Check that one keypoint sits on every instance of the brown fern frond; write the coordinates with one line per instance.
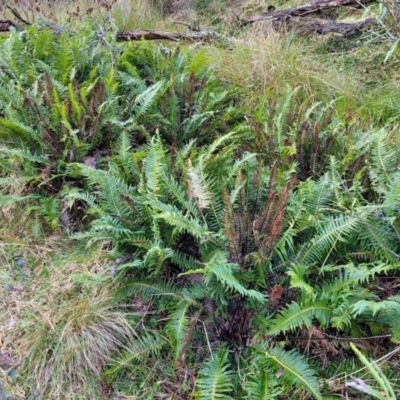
(262, 220)
(274, 231)
(322, 346)
(272, 176)
(48, 89)
(232, 238)
(269, 224)
(316, 340)
(276, 294)
(189, 331)
(315, 149)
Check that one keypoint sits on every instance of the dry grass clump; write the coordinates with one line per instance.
(54, 11)
(138, 14)
(59, 324)
(264, 60)
(126, 14)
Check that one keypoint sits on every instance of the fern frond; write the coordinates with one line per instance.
(295, 316)
(220, 269)
(178, 192)
(378, 237)
(148, 290)
(260, 382)
(154, 168)
(384, 154)
(337, 229)
(136, 351)
(185, 224)
(389, 306)
(197, 187)
(177, 328)
(215, 380)
(13, 199)
(145, 99)
(297, 371)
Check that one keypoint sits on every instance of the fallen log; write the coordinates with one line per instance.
(345, 29)
(322, 27)
(203, 35)
(6, 25)
(304, 9)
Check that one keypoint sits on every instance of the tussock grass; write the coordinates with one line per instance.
(140, 14)
(264, 60)
(59, 320)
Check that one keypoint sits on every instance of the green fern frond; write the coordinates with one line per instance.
(384, 154)
(342, 316)
(154, 168)
(374, 307)
(185, 224)
(11, 130)
(296, 370)
(148, 290)
(215, 380)
(177, 328)
(379, 237)
(13, 199)
(136, 351)
(295, 316)
(260, 382)
(145, 99)
(177, 191)
(219, 269)
(337, 229)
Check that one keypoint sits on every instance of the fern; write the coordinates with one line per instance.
(294, 316)
(177, 328)
(215, 380)
(136, 351)
(260, 382)
(296, 370)
(198, 190)
(337, 229)
(148, 290)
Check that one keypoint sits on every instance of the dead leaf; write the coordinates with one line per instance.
(276, 293)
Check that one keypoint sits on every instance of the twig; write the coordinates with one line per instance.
(165, 387)
(191, 27)
(18, 15)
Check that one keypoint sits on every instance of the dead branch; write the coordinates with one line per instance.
(322, 27)
(203, 35)
(305, 9)
(5, 26)
(18, 15)
(345, 29)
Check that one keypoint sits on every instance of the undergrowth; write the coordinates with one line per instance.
(211, 222)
